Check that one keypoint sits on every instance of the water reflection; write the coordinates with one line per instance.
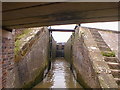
(59, 76)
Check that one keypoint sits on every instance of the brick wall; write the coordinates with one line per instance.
(0, 59)
(7, 57)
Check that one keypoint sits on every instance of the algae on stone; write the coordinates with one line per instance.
(18, 40)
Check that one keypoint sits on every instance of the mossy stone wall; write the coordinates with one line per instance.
(30, 69)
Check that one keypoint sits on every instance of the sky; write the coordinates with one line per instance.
(64, 36)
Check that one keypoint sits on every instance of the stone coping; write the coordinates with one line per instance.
(113, 31)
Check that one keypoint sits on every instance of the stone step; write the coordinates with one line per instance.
(101, 43)
(110, 59)
(99, 40)
(97, 36)
(115, 73)
(104, 48)
(94, 32)
(113, 65)
(117, 80)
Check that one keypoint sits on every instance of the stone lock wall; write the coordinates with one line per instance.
(89, 67)
(31, 68)
(68, 50)
(53, 49)
(82, 63)
(77, 53)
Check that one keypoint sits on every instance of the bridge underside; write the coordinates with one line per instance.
(24, 15)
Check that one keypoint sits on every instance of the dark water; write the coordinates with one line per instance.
(59, 76)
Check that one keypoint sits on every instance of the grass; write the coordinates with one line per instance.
(108, 54)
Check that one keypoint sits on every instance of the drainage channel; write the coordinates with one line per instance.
(60, 76)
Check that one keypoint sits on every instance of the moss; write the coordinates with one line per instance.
(20, 36)
(18, 41)
(27, 31)
(108, 54)
(17, 47)
(24, 32)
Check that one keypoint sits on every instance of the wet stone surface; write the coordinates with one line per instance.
(59, 76)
